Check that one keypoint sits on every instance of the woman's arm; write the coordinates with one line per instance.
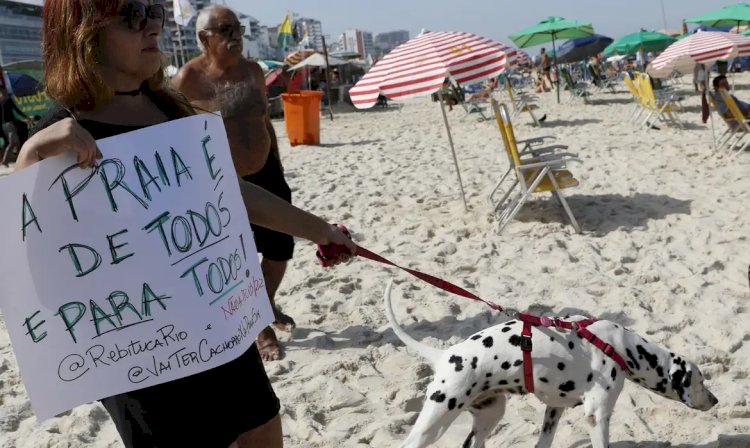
(64, 135)
(267, 210)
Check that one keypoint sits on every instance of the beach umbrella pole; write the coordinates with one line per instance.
(182, 48)
(328, 79)
(643, 59)
(557, 70)
(713, 132)
(453, 149)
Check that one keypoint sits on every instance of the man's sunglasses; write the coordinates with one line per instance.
(136, 15)
(228, 30)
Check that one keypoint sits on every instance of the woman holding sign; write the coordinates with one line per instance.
(104, 69)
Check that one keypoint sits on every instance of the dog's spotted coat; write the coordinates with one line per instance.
(479, 373)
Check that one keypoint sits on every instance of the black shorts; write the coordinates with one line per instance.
(208, 409)
(273, 245)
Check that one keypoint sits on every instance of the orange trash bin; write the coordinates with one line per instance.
(302, 117)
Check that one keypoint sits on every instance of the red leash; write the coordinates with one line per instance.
(327, 254)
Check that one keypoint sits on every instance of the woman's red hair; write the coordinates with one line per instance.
(71, 32)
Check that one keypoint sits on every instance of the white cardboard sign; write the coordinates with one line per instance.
(140, 271)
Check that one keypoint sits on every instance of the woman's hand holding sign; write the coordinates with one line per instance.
(63, 136)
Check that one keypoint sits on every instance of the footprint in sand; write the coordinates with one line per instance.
(312, 281)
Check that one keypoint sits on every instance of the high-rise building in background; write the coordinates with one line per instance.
(356, 42)
(175, 42)
(385, 42)
(21, 24)
(273, 41)
(256, 42)
(20, 30)
(314, 30)
(368, 47)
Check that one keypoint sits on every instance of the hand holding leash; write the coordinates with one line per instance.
(337, 252)
(340, 248)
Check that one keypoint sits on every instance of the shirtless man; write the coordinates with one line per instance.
(546, 66)
(222, 79)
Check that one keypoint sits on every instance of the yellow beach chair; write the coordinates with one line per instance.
(661, 107)
(739, 126)
(638, 107)
(532, 175)
(725, 136)
(521, 102)
(532, 150)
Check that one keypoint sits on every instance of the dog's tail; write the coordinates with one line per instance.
(430, 353)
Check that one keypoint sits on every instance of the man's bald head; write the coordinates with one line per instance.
(208, 18)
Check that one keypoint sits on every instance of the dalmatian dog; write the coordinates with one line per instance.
(478, 374)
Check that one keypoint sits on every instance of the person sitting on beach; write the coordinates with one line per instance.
(448, 93)
(542, 82)
(114, 83)
(488, 86)
(221, 78)
(721, 82)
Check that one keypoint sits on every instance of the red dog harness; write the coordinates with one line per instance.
(579, 327)
(328, 254)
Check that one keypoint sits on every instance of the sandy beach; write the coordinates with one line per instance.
(664, 251)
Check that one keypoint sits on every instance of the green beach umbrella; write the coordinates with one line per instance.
(642, 41)
(550, 30)
(731, 15)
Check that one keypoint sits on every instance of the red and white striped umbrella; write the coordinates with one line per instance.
(523, 58)
(703, 47)
(419, 66)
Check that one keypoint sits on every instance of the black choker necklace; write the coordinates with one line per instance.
(135, 92)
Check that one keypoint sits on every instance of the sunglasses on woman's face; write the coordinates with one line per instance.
(136, 15)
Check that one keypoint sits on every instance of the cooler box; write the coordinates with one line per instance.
(302, 117)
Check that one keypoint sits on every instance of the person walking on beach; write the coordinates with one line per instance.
(546, 67)
(115, 84)
(700, 77)
(221, 78)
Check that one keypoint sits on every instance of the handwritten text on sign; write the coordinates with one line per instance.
(138, 272)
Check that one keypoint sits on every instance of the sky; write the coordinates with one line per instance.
(493, 19)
